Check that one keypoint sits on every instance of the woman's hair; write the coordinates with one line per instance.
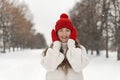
(65, 65)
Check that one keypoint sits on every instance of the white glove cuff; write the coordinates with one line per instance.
(71, 43)
(56, 45)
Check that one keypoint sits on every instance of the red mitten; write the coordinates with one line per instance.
(54, 36)
(73, 34)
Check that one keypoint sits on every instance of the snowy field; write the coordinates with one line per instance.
(25, 65)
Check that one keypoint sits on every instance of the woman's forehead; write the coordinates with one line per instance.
(64, 29)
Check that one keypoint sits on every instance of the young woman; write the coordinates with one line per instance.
(65, 58)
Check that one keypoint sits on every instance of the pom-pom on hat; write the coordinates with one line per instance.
(63, 22)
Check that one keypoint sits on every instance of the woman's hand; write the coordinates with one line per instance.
(56, 42)
(54, 36)
(73, 34)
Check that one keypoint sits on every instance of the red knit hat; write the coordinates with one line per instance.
(63, 22)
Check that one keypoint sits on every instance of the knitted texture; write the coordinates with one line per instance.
(54, 35)
(63, 22)
(73, 34)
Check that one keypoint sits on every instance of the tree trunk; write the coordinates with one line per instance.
(4, 47)
(91, 51)
(97, 52)
(118, 53)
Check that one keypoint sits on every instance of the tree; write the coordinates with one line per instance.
(116, 22)
(4, 22)
(37, 41)
(85, 17)
(98, 24)
(16, 26)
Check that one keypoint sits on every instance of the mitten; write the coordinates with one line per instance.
(73, 34)
(54, 36)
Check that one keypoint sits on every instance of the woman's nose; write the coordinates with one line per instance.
(64, 32)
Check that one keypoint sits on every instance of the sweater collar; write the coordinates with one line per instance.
(64, 45)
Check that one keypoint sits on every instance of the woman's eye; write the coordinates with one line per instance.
(60, 30)
(68, 30)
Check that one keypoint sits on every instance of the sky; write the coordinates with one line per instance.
(25, 65)
(47, 12)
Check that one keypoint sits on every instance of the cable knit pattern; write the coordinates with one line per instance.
(54, 57)
(57, 46)
(76, 56)
(71, 43)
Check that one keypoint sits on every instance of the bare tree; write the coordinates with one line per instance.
(85, 16)
(116, 22)
(4, 22)
(16, 26)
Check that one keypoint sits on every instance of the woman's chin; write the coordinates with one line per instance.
(64, 41)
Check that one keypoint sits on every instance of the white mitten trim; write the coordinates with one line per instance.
(77, 58)
(56, 45)
(71, 43)
(52, 60)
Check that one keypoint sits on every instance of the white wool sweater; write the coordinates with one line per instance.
(76, 57)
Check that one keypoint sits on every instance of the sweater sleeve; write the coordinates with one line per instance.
(76, 56)
(52, 59)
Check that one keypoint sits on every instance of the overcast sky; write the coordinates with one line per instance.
(46, 13)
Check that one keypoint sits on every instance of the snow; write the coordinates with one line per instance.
(102, 68)
(22, 65)
(25, 65)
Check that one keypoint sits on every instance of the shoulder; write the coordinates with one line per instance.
(83, 47)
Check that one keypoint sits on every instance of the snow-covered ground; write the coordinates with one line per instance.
(25, 65)
(102, 68)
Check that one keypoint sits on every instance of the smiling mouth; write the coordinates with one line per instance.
(64, 37)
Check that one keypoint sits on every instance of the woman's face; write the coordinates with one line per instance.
(64, 34)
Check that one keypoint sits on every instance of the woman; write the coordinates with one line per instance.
(64, 59)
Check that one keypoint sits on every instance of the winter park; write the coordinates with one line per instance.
(26, 31)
